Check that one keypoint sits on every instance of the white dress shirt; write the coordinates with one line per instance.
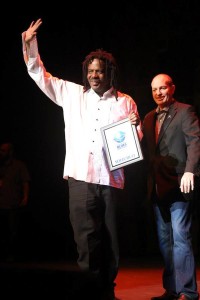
(84, 114)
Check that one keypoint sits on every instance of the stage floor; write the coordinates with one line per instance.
(138, 279)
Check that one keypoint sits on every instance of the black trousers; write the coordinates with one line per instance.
(93, 216)
(10, 221)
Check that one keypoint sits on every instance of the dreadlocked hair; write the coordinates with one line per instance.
(111, 68)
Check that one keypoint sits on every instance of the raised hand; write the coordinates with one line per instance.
(32, 30)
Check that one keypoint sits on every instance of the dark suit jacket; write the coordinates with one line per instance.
(177, 150)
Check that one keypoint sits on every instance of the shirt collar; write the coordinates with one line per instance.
(108, 94)
(165, 109)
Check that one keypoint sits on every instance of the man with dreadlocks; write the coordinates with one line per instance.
(92, 186)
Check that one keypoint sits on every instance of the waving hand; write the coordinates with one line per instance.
(32, 30)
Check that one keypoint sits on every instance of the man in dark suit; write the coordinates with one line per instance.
(171, 146)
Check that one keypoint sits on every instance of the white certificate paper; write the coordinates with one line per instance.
(121, 143)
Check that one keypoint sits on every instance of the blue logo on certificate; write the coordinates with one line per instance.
(119, 137)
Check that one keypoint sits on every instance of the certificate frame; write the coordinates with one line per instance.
(121, 144)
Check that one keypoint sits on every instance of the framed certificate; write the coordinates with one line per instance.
(121, 143)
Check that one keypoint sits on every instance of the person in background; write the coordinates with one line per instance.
(93, 188)
(171, 146)
(14, 195)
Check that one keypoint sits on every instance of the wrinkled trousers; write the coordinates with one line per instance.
(174, 223)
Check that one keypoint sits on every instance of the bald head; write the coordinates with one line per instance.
(163, 90)
(162, 78)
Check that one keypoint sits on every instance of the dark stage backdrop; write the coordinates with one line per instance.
(160, 37)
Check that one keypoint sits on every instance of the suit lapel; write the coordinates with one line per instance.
(168, 119)
(151, 129)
